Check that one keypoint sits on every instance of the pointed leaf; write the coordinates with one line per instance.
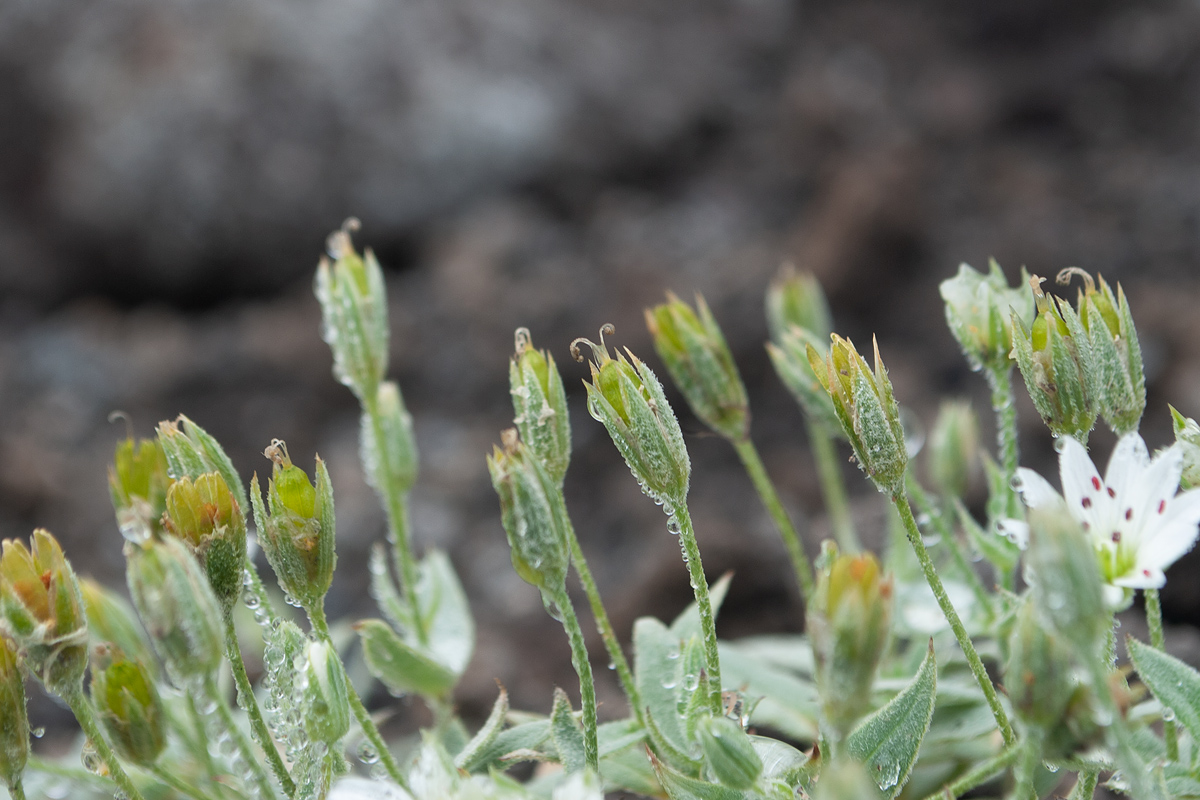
(400, 666)
(887, 742)
(655, 655)
(1174, 683)
(444, 603)
(681, 787)
(567, 733)
(487, 734)
(386, 594)
(526, 737)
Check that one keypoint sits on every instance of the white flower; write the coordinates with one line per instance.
(1137, 524)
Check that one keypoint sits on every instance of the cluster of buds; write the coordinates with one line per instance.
(627, 398)
(981, 309)
(296, 527)
(693, 348)
(540, 406)
(867, 410)
(848, 623)
(798, 318)
(42, 610)
(14, 720)
(129, 706)
(204, 514)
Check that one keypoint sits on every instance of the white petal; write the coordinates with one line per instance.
(1035, 490)
(1168, 541)
(1142, 578)
(1082, 487)
(1158, 485)
(1128, 461)
(1015, 531)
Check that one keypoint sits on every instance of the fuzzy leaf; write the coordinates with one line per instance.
(681, 787)
(567, 733)
(655, 655)
(487, 734)
(444, 603)
(524, 738)
(401, 667)
(1174, 683)
(887, 742)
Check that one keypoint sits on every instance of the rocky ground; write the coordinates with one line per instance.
(168, 172)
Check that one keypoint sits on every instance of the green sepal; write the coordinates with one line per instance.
(795, 300)
(131, 710)
(540, 406)
(14, 719)
(400, 666)
(111, 619)
(532, 519)
(1187, 437)
(191, 452)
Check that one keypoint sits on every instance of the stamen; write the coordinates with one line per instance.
(1162, 506)
(1087, 502)
(1064, 278)
(1116, 537)
(277, 452)
(116, 415)
(1095, 483)
(1112, 492)
(522, 341)
(1128, 513)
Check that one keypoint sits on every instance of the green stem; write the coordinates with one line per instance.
(611, 643)
(979, 775)
(1158, 642)
(82, 709)
(708, 626)
(770, 498)
(248, 703)
(1085, 785)
(178, 785)
(316, 615)
(938, 519)
(583, 668)
(1006, 420)
(266, 790)
(960, 632)
(395, 505)
(833, 486)
(17, 789)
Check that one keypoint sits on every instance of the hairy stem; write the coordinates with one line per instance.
(979, 775)
(770, 499)
(248, 703)
(1158, 642)
(83, 711)
(1006, 420)
(833, 486)
(611, 643)
(960, 632)
(255, 767)
(583, 668)
(938, 519)
(316, 615)
(708, 626)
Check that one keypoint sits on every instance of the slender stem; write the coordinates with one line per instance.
(833, 486)
(316, 615)
(611, 643)
(1085, 785)
(708, 626)
(938, 518)
(17, 789)
(248, 703)
(960, 632)
(245, 748)
(178, 785)
(583, 668)
(979, 775)
(770, 498)
(82, 709)
(200, 742)
(1006, 420)
(1158, 642)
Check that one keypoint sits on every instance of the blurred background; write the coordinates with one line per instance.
(169, 170)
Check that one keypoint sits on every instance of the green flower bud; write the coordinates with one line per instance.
(178, 608)
(14, 721)
(110, 619)
(205, 516)
(394, 464)
(298, 534)
(1054, 355)
(730, 753)
(690, 343)
(954, 448)
(533, 520)
(1187, 436)
(42, 610)
(353, 301)
(867, 411)
(1116, 356)
(540, 406)
(795, 300)
(137, 482)
(129, 707)
(326, 694)
(191, 452)
(1066, 578)
(848, 622)
(1038, 677)
(789, 355)
(980, 311)
(626, 396)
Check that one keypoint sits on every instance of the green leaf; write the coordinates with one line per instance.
(630, 769)
(789, 702)
(401, 667)
(567, 733)
(486, 735)
(681, 787)
(1173, 683)
(526, 737)
(887, 742)
(617, 735)
(386, 594)
(656, 651)
(444, 603)
(687, 624)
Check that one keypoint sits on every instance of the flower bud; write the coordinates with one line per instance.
(42, 610)
(789, 355)
(848, 622)
(110, 619)
(137, 482)
(1038, 676)
(691, 345)
(354, 321)
(1056, 365)
(729, 752)
(1116, 356)
(390, 457)
(954, 448)
(298, 534)
(1066, 578)
(540, 406)
(1187, 436)
(190, 452)
(537, 532)
(867, 411)
(205, 516)
(980, 310)
(129, 707)
(14, 721)
(178, 608)
(626, 396)
(326, 694)
(795, 300)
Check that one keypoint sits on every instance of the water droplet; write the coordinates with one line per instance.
(1168, 714)
(612, 665)
(690, 682)
(669, 683)
(367, 753)
(1050, 767)
(673, 526)
(38, 732)
(92, 761)
(924, 519)
(672, 654)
